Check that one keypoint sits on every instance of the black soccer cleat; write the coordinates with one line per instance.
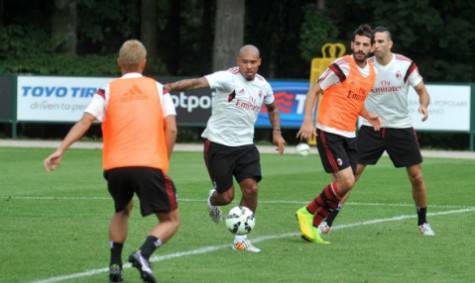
(115, 273)
(143, 266)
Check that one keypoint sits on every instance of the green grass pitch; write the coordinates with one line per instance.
(53, 227)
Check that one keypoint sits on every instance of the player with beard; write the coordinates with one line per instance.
(344, 87)
(229, 148)
(397, 136)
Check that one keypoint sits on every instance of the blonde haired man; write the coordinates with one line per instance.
(139, 132)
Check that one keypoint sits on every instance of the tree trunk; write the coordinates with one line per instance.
(229, 32)
(1, 12)
(173, 35)
(321, 5)
(206, 43)
(64, 24)
(148, 31)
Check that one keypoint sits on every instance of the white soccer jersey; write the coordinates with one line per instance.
(388, 98)
(236, 104)
(98, 104)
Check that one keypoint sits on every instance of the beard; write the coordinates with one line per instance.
(360, 57)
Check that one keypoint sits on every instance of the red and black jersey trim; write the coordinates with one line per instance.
(231, 96)
(101, 92)
(409, 71)
(338, 72)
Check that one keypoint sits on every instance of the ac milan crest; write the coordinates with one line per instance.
(398, 74)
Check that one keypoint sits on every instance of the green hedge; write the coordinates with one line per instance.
(26, 49)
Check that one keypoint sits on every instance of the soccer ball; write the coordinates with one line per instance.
(303, 149)
(240, 220)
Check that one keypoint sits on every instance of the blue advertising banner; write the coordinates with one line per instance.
(63, 99)
(290, 99)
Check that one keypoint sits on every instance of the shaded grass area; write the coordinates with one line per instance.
(56, 224)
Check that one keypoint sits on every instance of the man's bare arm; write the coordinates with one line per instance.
(307, 129)
(274, 119)
(74, 134)
(188, 84)
(170, 133)
(424, 100)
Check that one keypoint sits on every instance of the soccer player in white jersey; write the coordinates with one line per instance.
(229, 148)
(388, 99)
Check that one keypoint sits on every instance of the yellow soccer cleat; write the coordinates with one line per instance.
(318, 238)
(305, 221)
(307, 230)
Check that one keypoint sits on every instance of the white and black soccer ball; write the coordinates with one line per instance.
(303, 149)
(240, 220)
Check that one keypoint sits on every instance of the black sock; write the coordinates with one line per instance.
(149, 246)
(116, 253)
(331, 217)
(421, 215)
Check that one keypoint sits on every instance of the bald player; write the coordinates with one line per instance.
(229, 149)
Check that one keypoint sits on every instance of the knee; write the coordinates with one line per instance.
(172, 219)
(227, 196)
(250, 191)
(127, 210)
(417, 179)
(175, 221)
(346, 184)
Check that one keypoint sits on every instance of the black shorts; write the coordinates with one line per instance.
(155, 190)
(336, 152)
(401, 144)
(224, 162)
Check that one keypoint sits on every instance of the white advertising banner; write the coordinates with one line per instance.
(449, 109)
(55, 99)
(63, 99)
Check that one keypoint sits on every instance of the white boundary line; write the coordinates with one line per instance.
(260, 201)
(209, 249)
(197, 147)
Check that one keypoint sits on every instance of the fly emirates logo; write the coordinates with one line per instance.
(385, 87)
(357, 94)
(251, 105)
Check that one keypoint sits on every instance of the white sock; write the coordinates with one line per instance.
(240, 238)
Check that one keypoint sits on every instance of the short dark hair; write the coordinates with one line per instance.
(383, 29)
(364, 30)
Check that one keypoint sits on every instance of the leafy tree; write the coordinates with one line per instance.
(433, 33)
(105, 25)
(64, 23)
(438, 35)
(317, 29)
(274, 27)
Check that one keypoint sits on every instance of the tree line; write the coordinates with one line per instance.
(194, 37)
